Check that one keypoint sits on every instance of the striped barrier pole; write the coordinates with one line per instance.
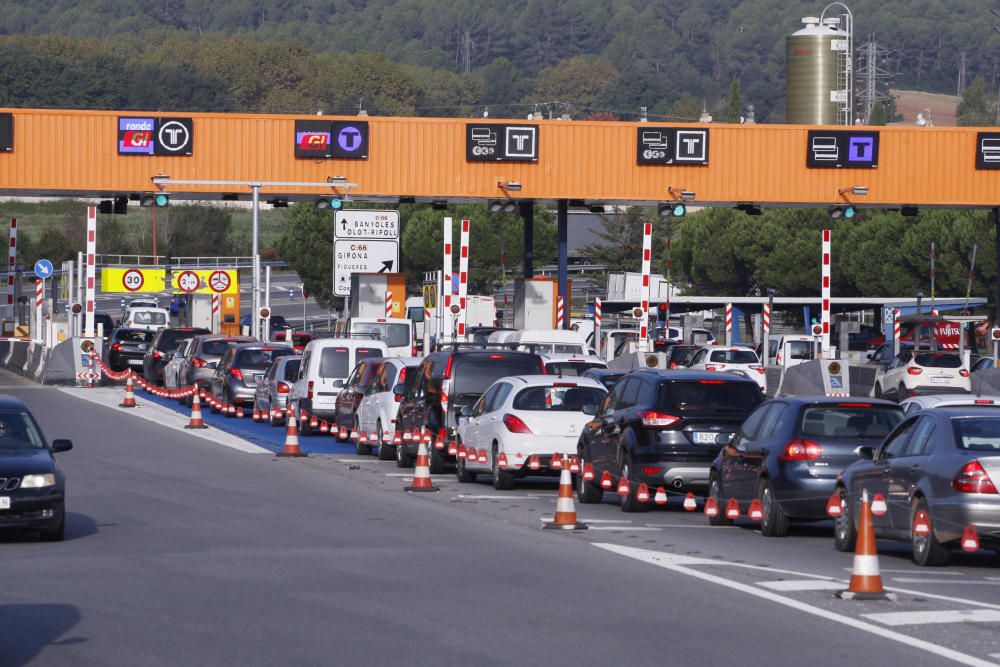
(446, 320)
(463, 278)
(388, 303)
(88, 322)
(647, 250)
(560, 312)
(895, 331)
(729, 324)
(825, 286)
(597, 324)
(215, 314)
(39, 302)
(766, 333)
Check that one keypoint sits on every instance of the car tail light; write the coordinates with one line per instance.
(914, 371)
(711, 381)
(654, 419)
(711, 367)
(984, 401)
(972, 478)
(964, 373)
(496, 356)
(651, 470)
(157, 354)
(236, 373)
(199, 363)
(402, 376)
(447, 367)
(413, 351)
(309, 390)
(801, 450)
(117, 347)
(283, 388)
(514, 424)
(758, 368)
(854, 405)
(674, 364)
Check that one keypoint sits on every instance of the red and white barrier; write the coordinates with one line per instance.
(647, 251)
(90, 287)
(825, 313)
(39, 303)
(216, 327)
(766, 312)
(463, 278)
(560, 312)
(597, 312)
(446, 321)
(388, 303)
(729, 324)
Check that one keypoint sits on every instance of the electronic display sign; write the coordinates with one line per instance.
(848, 149)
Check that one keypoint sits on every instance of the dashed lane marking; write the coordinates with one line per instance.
(629, 529)
(463, 496)
(896, 618)
(918, 580)
(802, 585)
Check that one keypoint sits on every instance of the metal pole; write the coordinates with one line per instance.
(972, 268)
(303, 306)
(255, 252)
(267, 302)
(767, 332)
(528, 215)
(562, 214)
(996, 296)
(78, 324)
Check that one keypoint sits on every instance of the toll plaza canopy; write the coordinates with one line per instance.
(117, 153)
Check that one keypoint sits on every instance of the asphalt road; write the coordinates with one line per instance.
(182, 551)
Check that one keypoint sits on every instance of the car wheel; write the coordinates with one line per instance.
(58, 533)
(715, 491)
(403, 460)
(845, 533)
(773, 522)
(926, 548)
(463, 474)
(384, 451)
(437, 461)
(587, 492)
(629, 502)
(271, 419)
(503, 480)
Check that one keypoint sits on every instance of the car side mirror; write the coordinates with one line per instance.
(61, 445)
(399, 390)
(589, 409)
(466, 411)
(865, 452)
(338, 384)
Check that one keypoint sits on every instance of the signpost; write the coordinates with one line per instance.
(364, 242)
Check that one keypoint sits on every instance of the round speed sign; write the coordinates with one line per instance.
(188, 281)
(132, 280)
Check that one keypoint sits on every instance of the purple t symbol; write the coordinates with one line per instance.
(349, 138)
(861, 149)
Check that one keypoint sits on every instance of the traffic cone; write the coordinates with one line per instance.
(588, 472)
(342, 433)
(292, 440)
(879, 507)
(501, 460)
(756, 510)
(711, 507)
(555, 463)
(565, 518)
(397, 438)
(483, 456)
(533, 463)
(661, 496)
(363, 437)
(606, 480)
(422, 472)
(196, 419)
(833, 507)
(439, 443)
(623, 487)
(354, 434)
(239, 411)
(970, 539)
(574, 464)
(324, 426)
(866, 581)
(407, 435)
(642, 495)
(129, 401)
(732, 509)
(690, 504)
(255, 415)
(314, 422)
(452, 448)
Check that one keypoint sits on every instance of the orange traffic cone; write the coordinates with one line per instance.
(565, 518)
(866, 581)
(196, 419)
(292, 440)
(256, 413)
(661, 496)
(422, 472)
(129, 401)
(690, 504)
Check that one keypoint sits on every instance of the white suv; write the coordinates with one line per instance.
(377, 410)
(912, 373)
(740, 360)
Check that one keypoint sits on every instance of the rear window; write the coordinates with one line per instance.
(931, 360)
(132, 336)
(260, 358)
(291, 370)
(216, 347)
(734, 357)
(333, 362)
(800, 350)
(981, 434)
(845, 421)
(472, 374)
(393, 335)
(364, 352)
(558, 399)
(171, 339)
(708, 397)
(149, 317)
(682, 354)
(574, 368)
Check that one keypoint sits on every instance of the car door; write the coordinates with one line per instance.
(734, 474)
(906, 470)
(625, 419)
(599, 431)
(769, 442)
(874, 478)
(219, 378)
(472, 427)
(893, 375)
(491, 421)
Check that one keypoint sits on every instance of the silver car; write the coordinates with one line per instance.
(203, 357)
(915, 404)
(241, 368)
(271, 396)
(938, 473)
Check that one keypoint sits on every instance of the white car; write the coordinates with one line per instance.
(520, 422)
(915, 404)
(571, 364)
(912, 373)
(142, 317)
(377, 410)
(740, 360)
(171, 368)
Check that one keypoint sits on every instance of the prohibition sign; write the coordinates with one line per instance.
(188, 281)
(133, 280)
(218, 281)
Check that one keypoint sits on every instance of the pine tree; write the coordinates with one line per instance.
(734, 108)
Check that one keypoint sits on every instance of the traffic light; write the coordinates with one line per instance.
(325, 203)
(105, 206)
(157, 199)
(672, 210)
(501, 206)
(661, 312)
(846, 212)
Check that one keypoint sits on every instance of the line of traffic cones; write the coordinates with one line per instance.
(422, 472)
(565, 517)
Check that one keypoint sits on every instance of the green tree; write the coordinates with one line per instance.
(580, 81)
(734, 107)
(975, 108)
(878, 115)
(307, 246)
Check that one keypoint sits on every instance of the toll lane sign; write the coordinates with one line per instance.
(351, 256)
(671, 145)
(842, 149)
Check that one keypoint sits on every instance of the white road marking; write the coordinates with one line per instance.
(360, 460)
(896, 618)
(679, 525)
(410, 474)
(918, 580)
(802, 585)
(631, 529)
(463, 496)
(917, 572)
(679, 564)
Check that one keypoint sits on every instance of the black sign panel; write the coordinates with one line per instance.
(842, 149)
(342, 139)
(495, 142)
(6, 131)
(987, 150)
(174, 136)
(672, 145)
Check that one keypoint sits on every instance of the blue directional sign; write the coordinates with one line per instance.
(43, 268)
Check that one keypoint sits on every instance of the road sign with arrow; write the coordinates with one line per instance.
(350, 256)
(366, 224)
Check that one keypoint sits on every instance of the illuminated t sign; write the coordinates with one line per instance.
(842, 148)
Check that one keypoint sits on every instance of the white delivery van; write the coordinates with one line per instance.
(794, 350)
(395, 332)
(325, 365)
(150, 319)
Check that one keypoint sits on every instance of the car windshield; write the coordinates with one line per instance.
(149, 317)
(558, 398)
(734, 357)
(680, 354)
(799, 350)
(708, 397)
(216, 348)
(850, 421)
(938, 360)
(474, 373)
(291, 370)
(977, 433)
(134, 335)
(570, 367)
(393, 335)
(260, 358)
(18, 431)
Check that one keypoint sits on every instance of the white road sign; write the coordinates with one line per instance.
(362, 224)
(361, 257)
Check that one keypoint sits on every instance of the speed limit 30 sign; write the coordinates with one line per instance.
(132, 280)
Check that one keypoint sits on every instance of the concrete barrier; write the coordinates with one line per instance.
(61, 365)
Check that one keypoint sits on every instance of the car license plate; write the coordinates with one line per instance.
(257, 377)
(705, 438)
(135, 362)
(4, 502)
(940, 379)
(141, 346)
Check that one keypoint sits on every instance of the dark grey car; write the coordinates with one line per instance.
(203, 358)
(241, 368)
(271, 395)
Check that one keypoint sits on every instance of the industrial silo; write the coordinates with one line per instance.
(813, 66)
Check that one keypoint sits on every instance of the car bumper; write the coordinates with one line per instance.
(240, 394)
(38, 512)
(329, 414)
(677, 476)
(926, 390)
(802, 497)
(950, 518)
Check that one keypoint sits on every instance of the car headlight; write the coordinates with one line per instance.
(38, 481)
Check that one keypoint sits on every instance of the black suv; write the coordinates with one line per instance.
(443, 384)
(663, 428)
(126, 348)
(162, 349)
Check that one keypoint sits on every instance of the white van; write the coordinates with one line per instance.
(793, 350)
(395, 332)
(552, 341)
(326, 363)
(150, 319)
